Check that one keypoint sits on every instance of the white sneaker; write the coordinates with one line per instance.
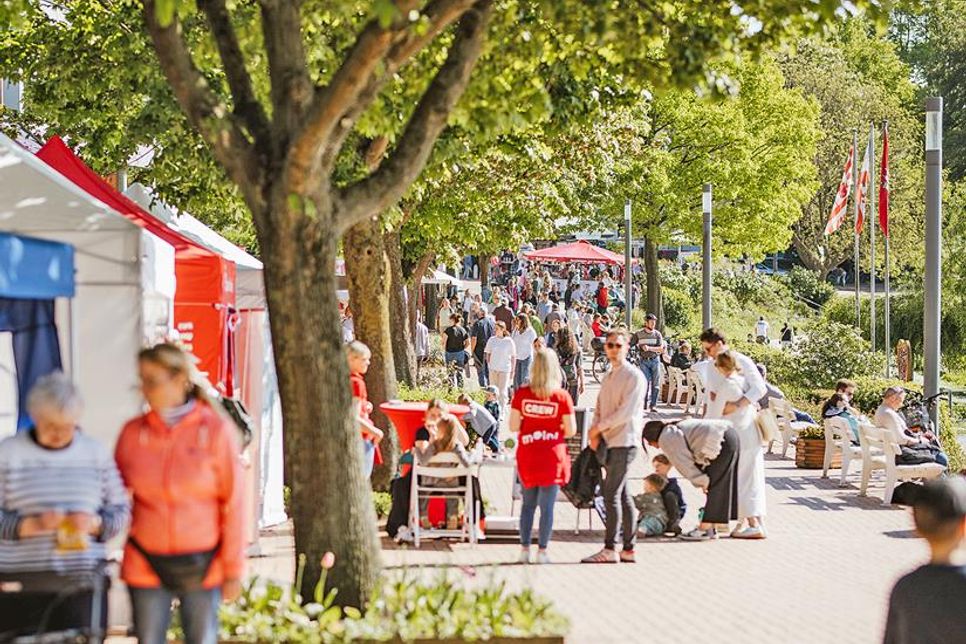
(524, 556)
(542, 557)
(750, 533)
(403, 535)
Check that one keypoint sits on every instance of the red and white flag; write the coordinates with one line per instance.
(837, 216)
(862, 190)
(884, 183)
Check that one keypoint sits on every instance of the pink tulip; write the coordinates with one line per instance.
(328, 560)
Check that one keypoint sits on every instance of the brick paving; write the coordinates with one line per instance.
(823, 575)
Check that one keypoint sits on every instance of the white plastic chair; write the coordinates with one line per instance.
(838, 438)
(446, 465)
(696, 392)
(785, 417)
(677, 386)
(879, 450)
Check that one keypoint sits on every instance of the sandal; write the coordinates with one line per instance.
(700, 535)
(605, 556)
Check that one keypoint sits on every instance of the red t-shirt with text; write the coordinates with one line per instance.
(542, 453)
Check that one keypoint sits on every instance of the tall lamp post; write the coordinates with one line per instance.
(628, 286)
(706, 258)
(931, 330)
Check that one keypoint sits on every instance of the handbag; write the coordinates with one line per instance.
(179, 573)
(767, 426)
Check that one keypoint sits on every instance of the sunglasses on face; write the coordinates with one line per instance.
(614, 345)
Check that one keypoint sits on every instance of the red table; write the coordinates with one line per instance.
(407, 417)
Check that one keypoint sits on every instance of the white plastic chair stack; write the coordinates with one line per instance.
(838, 438)
(695, 393)
(447, 466)
(785, 417)
(677, 386)
(879, 450)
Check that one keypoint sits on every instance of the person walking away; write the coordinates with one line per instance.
(706, 453)
(500, 354)
(482, 422)
(761, 330)
(481, 333)
(359, 356)
(617, 424)
(787, 336)
(543, 415)
(553, 315)
(502, 313)
(651, 343)
(602, 297)
(456, 345)
(422, 344)
(523, 337)
(571, 362)
(926, 605)
(751, 458)
(61, 501)
(180, 462)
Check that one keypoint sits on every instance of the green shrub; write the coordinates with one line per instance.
(430, 389)
(383, 503)
(679, 308)
(778, 362)
(827, 351)
(673, 277)
(746, 286)
(809, 286)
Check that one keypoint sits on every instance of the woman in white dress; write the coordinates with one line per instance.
(751, 457)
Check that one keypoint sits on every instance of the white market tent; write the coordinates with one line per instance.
(257, 385)
(124, 278)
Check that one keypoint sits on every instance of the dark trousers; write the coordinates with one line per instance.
(27, 613)
(482, 371)
(618, 505)
(491, 438)
(722, 504)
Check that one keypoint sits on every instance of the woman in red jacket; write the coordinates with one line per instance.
(543, 414)
(180, 463)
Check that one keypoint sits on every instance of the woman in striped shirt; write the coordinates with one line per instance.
(61, 500)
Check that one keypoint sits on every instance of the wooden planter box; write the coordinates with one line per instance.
(810, 454)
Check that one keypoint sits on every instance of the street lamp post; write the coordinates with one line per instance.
(931, 330)
(628, 286)
(706, 259)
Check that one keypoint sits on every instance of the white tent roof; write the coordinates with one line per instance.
(114, 311)
(439, 277)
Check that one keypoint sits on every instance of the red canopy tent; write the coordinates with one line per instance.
(205, 289)
(579, 252)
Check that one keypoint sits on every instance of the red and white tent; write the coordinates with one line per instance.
(579, 252)
(205, 287)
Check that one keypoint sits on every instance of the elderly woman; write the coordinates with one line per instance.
(61, 499)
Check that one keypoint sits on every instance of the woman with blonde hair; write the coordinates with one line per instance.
(542, 413)
(180, 463)
(751, 459)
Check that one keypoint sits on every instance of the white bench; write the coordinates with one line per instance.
(879, 450)
(787, 425)
(838, 438)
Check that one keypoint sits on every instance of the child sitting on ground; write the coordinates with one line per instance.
(657, 512)
(445, 440)
(927, 604)
(662, 466)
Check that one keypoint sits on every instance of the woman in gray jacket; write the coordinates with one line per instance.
(706, 453)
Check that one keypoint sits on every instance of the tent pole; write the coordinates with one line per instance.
(74, 347)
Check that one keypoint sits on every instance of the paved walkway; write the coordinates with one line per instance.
(823, 575)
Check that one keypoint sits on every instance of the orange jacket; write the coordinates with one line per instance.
(186, 485)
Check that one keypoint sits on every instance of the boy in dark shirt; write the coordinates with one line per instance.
(926, 606)
(662, 466)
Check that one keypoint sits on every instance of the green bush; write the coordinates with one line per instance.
(383, 503)
(673, 277)
(679, 308)
(827, 351)
(431, 387)
(809, 286)
(779, 362)
(746, 286)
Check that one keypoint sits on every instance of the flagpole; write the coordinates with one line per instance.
(888, 292)
(872, 225)
(856, 267)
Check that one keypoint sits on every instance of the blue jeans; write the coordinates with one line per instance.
(651, 526)
(482, 371)
(459, 357)
(543, 496)
(522, 374)
(152, 614)
(652, 371)
(368, 456)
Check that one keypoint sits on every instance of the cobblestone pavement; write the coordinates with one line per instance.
(823, 575)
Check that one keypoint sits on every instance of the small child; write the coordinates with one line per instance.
(927, 604)
(492, 403)
(482, 422)
(663, 467)
(652, 513)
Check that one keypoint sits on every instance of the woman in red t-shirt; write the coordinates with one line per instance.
(543, 414)
(359, 356)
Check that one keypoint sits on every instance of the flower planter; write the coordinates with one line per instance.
(810, 454)
(493, 640)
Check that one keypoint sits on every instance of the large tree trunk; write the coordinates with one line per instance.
(323, 456)
(652, 270)
(484, 261)
(403, 346)
(367, 270)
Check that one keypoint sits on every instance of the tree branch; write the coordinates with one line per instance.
(209, 115)
(396, 174)
(291, 86)
(247, 107)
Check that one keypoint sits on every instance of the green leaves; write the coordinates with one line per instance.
(165, 11)
(385, 11)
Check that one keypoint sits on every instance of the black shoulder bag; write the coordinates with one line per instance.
(179, 573)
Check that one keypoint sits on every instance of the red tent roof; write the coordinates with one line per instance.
(580, 252)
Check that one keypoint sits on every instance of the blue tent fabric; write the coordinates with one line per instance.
(35, 269)
(36, 348)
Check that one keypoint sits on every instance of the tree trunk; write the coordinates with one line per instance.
(367, 272)
(402, 337)
(484, 261)
(323, 456)
(653, 274)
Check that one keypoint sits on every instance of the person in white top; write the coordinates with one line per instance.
(751, 458)
(500, 354)
(887, 416)
(761, 330)
(523, 336)
(422, 343)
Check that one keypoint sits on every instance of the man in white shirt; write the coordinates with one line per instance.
(761, 330)
(501, 357)
(714, 342)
